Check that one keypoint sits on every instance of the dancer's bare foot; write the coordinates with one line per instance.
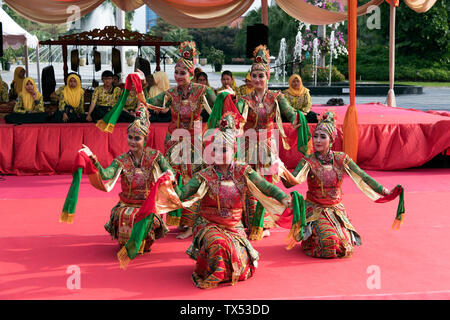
(266, 233)
(185, 234)
(181, 228)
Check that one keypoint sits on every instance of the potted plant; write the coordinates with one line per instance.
(216, 58)
(130, 55)
(8, 58)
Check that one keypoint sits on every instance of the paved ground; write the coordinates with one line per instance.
(433, 98)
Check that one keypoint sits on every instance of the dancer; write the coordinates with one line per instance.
(220, 245)
(328, 232)
(262, 109)
(138, 169)
(186, 102)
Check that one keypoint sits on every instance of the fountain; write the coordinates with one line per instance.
(315, 58)
(331, 55)
(280, 63)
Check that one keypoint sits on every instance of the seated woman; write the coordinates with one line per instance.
(16, 84)
(29, 107)
(71, 101)
(299, 98)
(103, 98)
(138, 169)
(160, 84)
(328, 232)
(247, 88)
(4, 97)
(220, 245)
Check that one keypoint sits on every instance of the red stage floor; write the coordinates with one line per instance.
(36, 250)
(389, 139)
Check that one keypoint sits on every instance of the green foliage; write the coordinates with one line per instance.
(216, 57)
(322, 74)
(221, 38)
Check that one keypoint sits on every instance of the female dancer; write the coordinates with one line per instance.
(138, 169)
(328, 232)
(220, 245)
(186, 102)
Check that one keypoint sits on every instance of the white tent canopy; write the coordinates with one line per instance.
(14, 35)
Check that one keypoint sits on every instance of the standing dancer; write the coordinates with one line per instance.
(262, 110)
(186, 102)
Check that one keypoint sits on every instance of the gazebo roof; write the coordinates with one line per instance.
(110, 36)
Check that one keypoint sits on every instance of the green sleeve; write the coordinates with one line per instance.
(164, 164)
(39, 104)
(371, 182)
(109, 172)
(286, 109)
(18, 107)
(297, 169)
(189, 188)
(210, 96)
(266, 187)
(158, 100)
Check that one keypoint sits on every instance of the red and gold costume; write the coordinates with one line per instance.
(328, 232)
(219, 245)
(137, 177)
(186, 110)
(259, 147)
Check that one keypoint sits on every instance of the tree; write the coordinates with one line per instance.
(221, 38)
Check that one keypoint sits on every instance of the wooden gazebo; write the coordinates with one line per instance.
(109, 36)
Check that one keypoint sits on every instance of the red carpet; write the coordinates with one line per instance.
(389, 139)
(36, 249)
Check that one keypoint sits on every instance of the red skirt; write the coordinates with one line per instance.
(222, 254)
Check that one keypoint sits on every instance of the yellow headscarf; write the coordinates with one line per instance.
(247, 89)
(17, 80)
(161, 84)
(27, 98)
(296, 92)
(73, 95)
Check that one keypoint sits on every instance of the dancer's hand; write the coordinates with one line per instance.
(89, 153)
(89, 118)
(229, 90)
(287, 202)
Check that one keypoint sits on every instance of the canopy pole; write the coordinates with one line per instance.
(26, 59)
(120, 22)
(264, 13)
(37, 68)
(350, 126)
(391, 94)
